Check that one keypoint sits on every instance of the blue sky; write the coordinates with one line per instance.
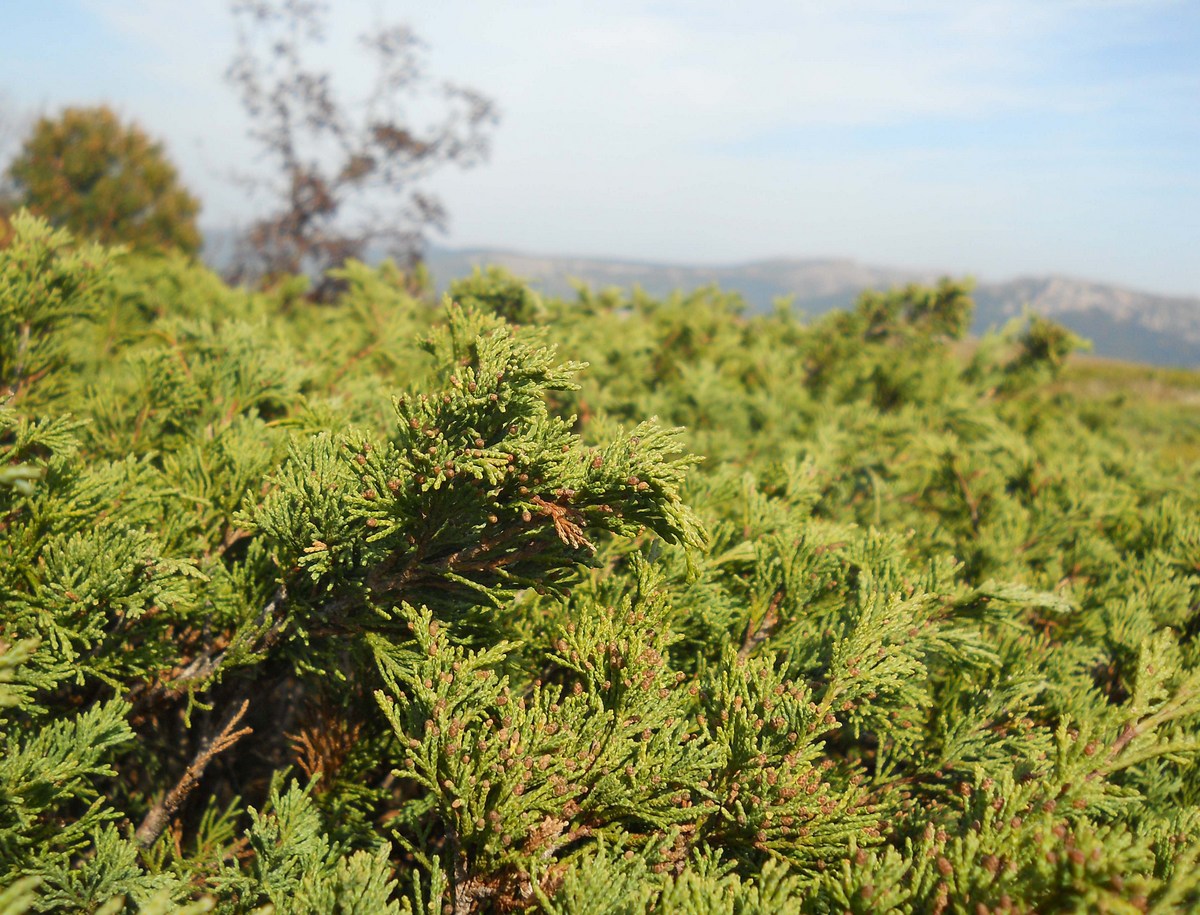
(993, 138)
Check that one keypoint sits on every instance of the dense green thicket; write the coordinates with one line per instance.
(296, 615)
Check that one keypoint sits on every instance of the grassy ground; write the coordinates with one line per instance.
(1160, 407)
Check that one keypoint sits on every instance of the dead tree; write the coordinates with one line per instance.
(344, 176)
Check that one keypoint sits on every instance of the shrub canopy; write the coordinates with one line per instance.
(300, 613)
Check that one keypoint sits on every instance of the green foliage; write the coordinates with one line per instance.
(1043, 347)
(498, 292)
(370, 607)
(87, 172)
(44, 284)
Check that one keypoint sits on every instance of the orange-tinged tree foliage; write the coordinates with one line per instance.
(88, 172)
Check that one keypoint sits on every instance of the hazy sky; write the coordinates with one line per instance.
(993, 138)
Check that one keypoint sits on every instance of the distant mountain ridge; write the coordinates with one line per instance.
(1121, 323)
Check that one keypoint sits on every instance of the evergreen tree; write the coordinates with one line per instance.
(87, 172)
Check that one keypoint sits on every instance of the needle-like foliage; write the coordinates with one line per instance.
(376, 606)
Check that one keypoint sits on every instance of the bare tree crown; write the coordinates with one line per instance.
(345, 173)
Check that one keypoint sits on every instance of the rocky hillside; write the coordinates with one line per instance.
(1121, 323)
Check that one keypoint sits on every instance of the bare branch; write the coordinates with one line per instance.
(160, 814)
(757, 634)
(351, 169)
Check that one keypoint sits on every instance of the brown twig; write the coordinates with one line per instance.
(232, 536)
(566, 523)
(208, 661)
(968, 498)
(160, 814)
(756, 635)
(357, 357)
(392, 575)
